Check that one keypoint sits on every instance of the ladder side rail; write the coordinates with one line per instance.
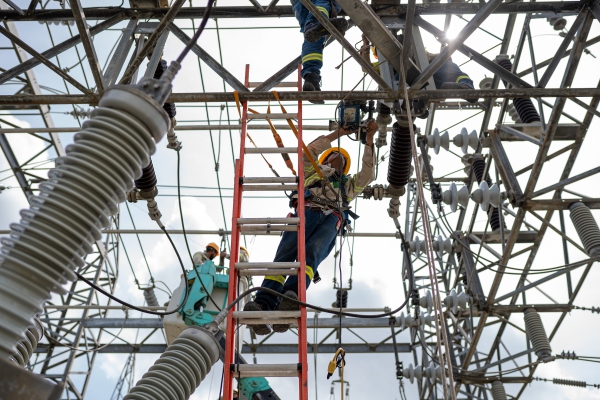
(235, 248)
(302, 331)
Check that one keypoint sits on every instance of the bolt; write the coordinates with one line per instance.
(156, 86)
(145, 84)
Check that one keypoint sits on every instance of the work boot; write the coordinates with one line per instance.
(312, 83)
(286, 305)
(314, 31)
(459, 86)
(260, 330)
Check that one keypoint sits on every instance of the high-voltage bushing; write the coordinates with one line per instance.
(478, 167)
(405, 321)
(426, 301)
(498, 392)
(383, 120)
(484, 196)
(150, 297)
(525, 109)
(557, 23)
(25, 348)
(586, 227)
(413, 373)
(456, 301)
(537, 335)
(145, 189)
(514, 115)
(83, 192)
(400, 157)
(464, 140)
(439, 245)
(486, 83)
(432, 372)
(341, 299)
(147, 182)
(180, 369)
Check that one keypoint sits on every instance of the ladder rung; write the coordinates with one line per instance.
(273, 116)
(268, 188)
(285, 221)
(261, 315)
(269, 179)
(280, 84)
(265, 370)
(267, 265)
(267, 228)
(265, 272)
(268, 150)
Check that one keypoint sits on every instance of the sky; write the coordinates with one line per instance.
(376, 262)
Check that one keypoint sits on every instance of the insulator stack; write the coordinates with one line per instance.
(587, 228)
(537, 334)
(569, 382)
(180, 369)
(498, 392)
(147, 182)
(78, 200)
(400, 156)
(150, 297)
(168, 107)
(26, 347)
(478, 168)
(525, 109)
(341, 297)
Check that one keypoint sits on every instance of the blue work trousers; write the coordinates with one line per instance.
(450, 72)
(320, 233)
(312, 53)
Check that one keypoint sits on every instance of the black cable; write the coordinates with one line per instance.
(99, 289)
(311, 306)
(196, 36)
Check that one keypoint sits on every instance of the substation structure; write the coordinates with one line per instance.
(466, 233)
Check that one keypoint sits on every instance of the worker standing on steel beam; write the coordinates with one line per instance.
(326, 212)
(314, 40)
(449, 76)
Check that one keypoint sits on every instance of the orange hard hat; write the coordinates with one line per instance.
(339, 150)
(214, 246)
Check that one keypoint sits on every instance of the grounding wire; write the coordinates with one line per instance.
(140, 242)
(137, 282)
(124, 303)
(187, 245)
(210, 131)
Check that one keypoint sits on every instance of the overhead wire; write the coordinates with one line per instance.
(140, 242)
(187, 245)
(128, 305)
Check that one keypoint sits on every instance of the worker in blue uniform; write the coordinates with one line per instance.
(325, 218)
(448, 76)
(314, 40)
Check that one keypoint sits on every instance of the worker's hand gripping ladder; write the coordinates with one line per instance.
(263, 225)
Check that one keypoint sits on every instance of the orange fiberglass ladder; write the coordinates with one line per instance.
(266, 225)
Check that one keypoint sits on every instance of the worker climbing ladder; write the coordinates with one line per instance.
(266, 224)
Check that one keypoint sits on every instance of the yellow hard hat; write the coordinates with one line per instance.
(244, 250)
(339, 150)
(214, 246)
